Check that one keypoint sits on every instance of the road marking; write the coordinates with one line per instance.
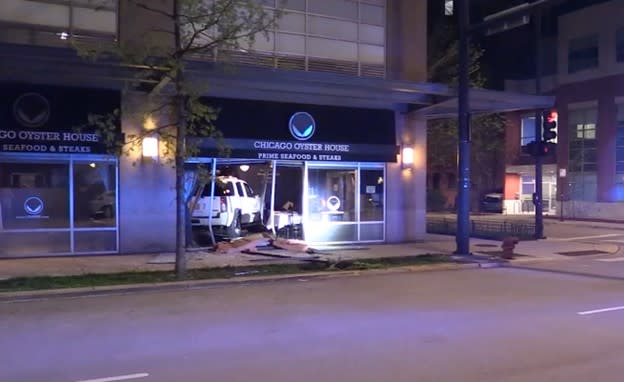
(613, 309)
(612, 260)
(588, 237)
(118, 378)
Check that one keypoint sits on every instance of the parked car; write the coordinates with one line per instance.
(103, 206)
(492, 202)
(235, 205)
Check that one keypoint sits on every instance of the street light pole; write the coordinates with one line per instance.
(463, 196)
(537, 199)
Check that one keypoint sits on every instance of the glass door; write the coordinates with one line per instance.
(288, 201)
(331, 201)
(94, 205)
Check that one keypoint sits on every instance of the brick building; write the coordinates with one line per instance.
(585, 178)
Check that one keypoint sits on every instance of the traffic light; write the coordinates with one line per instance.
(539, 149)
(530, 148)
(549, 127)
(547, 148)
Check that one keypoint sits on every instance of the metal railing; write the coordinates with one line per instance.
(484, 229)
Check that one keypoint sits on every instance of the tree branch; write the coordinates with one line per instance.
(140, 4)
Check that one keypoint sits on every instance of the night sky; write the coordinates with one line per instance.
(510, 55)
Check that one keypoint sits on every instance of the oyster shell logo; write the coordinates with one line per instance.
(302, 126)
(31, 110)
(33, 206)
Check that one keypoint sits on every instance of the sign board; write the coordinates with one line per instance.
(266, 130)
(52, 119)
(300, 151)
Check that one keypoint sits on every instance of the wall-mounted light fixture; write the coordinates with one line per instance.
(150, 147)
(407, 157)
(244, 167)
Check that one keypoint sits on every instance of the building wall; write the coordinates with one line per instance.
(146, 191)
(596, 87)
(406, 204)
(512, 137)
(146, 188)
(512, 186)
(601, 19)
(600, 93)
(407, 40)
(406, 59)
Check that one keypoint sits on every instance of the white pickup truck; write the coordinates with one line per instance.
(235, 205)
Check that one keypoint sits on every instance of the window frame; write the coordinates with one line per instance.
(583, 152)
(587, 50)
(619, 44)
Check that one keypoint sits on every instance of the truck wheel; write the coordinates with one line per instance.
(234, 230)
(107, 211)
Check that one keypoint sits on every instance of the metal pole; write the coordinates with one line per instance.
(272, 212)
(213, 179)
(463, 197)
(539, 219)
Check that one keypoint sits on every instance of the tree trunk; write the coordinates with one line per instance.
(180, 153)
(180, 263)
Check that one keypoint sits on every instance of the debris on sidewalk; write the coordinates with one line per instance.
(291, 245)
(245, 243)
(254, 241)
(266, 244)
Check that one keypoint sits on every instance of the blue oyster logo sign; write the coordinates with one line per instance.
(31, 110)
(302, 126)
(33, 206)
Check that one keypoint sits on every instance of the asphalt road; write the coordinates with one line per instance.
(470, 325)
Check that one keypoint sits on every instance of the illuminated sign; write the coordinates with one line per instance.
(33, 206)
(50, 119)
(302, 126)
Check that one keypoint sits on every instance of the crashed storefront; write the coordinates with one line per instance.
(303, 171)
(326, 160)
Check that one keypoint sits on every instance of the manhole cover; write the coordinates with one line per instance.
(582, 253)
(486, 245)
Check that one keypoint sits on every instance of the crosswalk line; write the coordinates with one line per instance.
(612, 259)
(589, 237)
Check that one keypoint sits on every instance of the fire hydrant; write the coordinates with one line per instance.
(509, 243)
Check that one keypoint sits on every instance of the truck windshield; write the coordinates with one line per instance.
(221, 189)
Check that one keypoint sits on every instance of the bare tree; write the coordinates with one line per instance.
(188, 30)
(487, 132)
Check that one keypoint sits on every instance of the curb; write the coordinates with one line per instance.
(25, 296)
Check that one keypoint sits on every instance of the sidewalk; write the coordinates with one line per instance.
(433, 244)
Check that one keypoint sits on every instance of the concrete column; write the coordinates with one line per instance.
(406, 188)
(146, 191)
(607, 113)
(406, 40)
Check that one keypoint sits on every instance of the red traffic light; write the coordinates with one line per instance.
(553, 117)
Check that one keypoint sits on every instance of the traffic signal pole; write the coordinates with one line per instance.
(538, 196)
(462, 238)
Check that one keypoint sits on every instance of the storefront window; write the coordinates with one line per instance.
(34, 195)
(94, 194)
(44, 212)
(371, 195)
